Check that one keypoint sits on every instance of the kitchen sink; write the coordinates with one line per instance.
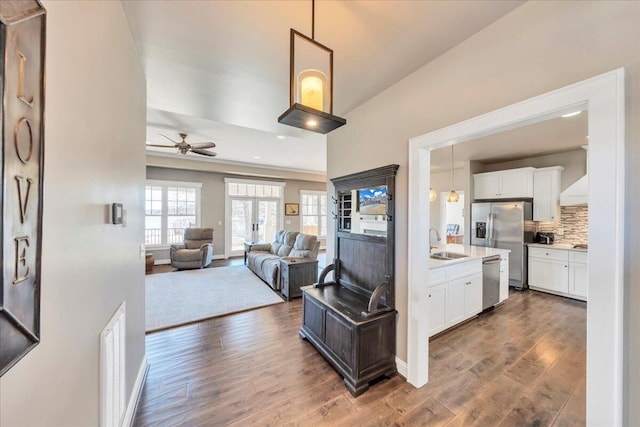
(447, 256)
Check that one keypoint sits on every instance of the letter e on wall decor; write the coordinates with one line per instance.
(22, 51)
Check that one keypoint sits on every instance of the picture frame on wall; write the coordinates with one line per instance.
(291, 209)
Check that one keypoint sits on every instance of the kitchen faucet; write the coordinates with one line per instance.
(437, 237)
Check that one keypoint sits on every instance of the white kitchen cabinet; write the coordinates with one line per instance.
(456, 301)
(558, 271)
(472, 295)
(549, 274)
(504, 276)
(455, 294)
(546, 194)
(578, 275)
(507, 184)
(437, 305)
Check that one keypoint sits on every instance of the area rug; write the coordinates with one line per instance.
(182, 297)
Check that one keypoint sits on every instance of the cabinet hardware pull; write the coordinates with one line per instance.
(429, 295)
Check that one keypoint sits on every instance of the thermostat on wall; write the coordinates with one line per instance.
(116, 213)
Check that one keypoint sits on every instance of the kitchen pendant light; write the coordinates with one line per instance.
(453, 196)
(310, 84)
(432, 195)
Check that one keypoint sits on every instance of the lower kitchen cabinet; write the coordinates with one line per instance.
(578, 275)
(455, 295)
(437, 308)
(558, 271)
(549, 274)
(504, 276)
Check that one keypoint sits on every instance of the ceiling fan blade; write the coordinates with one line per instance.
(175, 142)
(204, 152)
(161, 146)
(201, 145)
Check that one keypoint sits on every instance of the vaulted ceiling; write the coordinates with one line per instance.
(219, 70)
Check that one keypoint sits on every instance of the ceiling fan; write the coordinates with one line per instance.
(184, 147)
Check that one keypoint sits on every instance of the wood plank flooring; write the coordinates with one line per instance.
(522, 364)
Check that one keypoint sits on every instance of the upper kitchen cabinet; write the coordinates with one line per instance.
(507, 184)
(546, 193)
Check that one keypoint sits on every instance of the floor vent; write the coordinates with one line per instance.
(112, 370)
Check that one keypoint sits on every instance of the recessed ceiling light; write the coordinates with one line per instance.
(281, 137)
(575, 113)
(312, 123)
(256, 157)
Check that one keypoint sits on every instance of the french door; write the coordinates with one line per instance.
(253, 219)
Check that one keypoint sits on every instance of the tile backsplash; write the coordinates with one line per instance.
(574, 221)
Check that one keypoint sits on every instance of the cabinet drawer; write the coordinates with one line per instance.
(437, 276)
(463, 269)
(578, 257)
(556, 254)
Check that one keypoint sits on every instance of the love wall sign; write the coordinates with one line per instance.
(22, 49)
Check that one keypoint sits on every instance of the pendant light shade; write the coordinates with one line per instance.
(453, 196)
(432, 195)
(310, 84)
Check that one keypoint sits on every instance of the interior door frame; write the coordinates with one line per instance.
(227, 207)
(604, 96)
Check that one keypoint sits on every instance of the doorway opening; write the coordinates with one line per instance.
(253, 210)
(604, 97)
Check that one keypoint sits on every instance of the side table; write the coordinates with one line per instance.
(297, 272)
(148, 263)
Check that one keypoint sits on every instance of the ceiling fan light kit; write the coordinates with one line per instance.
(310, 84)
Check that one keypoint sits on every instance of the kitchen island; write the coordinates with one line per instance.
(456, 285)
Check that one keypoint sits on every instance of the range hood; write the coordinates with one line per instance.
(578, 192)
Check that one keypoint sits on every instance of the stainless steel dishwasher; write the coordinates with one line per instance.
(490, 281)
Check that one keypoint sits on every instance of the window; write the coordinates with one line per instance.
(170, 207)
(314, 213)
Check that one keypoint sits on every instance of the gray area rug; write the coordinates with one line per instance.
(182, 297)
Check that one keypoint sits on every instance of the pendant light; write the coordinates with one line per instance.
(310, 84)
(432, 195)
(453, 196)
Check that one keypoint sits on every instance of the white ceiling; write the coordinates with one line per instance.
(220, 69)
(547, 137)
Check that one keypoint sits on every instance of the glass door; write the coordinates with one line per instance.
(242, 224)
(253, 219)
(267, 221)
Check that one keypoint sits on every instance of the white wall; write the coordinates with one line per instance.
(538, 47)
(94, 155)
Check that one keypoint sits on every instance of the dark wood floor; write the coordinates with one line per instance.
(522, 364)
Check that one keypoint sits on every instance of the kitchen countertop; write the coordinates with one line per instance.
(563, 246)
(472, 252)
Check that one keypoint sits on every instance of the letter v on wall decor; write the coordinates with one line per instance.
(22, 51)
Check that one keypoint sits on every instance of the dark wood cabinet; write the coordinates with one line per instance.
(295, 273)
(352, 320)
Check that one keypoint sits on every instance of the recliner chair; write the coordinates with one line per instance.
(195, 252)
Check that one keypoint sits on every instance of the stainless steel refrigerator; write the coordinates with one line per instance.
(505, 225)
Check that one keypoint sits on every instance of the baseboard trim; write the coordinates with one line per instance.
(401, 366)
(132, 406)
(168, 261)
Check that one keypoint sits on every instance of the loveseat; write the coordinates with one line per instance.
(264, 259)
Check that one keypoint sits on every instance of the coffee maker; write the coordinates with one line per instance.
(545, 238)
